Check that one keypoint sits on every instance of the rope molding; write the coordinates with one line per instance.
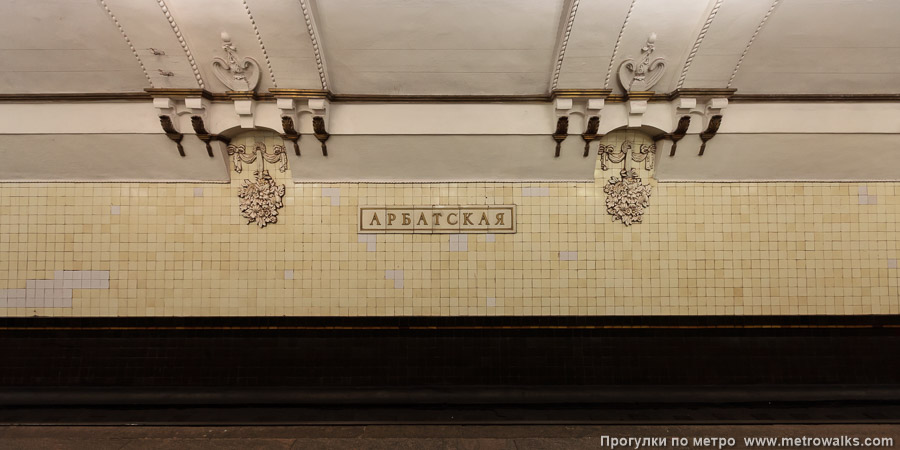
(696, 47)
(750, 42)
(564, 44)
(612, 59)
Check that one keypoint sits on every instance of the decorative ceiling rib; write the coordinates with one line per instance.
(127, 40)
(262, 46)
(825, 46)
(316, 41)
(750, 42)
(697, 42)
(195, 69)
(282, 26)
(612, 58)
(568, 20)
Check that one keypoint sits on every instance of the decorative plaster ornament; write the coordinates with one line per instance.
(608, 153)
(260, 199)
(645, 153)
(237, 75)
(626, 198)
(646, 73)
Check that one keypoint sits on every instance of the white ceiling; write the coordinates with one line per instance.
(452, 47)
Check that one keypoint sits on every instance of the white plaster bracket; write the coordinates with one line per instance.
(244, 108)
(196, 106)
(714, 108)
(319, 108)
(636, 110)
(287, 108)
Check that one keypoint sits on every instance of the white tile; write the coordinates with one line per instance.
(489, 237)
(568, 256)
(491, 301)
(115, 210)
(288, 274)
(892, 264)
(370, 247)
(198, 192)
(863, 190)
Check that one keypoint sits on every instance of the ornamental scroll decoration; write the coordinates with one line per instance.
(236, 74)
(644, 74)
(261, 198)
(626, 196)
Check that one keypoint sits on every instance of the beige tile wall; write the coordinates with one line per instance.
(703, 248)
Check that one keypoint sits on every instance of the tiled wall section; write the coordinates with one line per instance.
(703, 249)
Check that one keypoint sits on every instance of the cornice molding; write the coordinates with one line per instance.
(697, 42)
(212, 96)
(800, 98)
(300, 93)
(730, 94)
(580, 93)
(179, 93)
(378, 98)
(700, 92)
(77, 97)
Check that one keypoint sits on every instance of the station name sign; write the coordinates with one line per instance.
(437, 219)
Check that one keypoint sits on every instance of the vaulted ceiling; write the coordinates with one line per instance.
(451, 47)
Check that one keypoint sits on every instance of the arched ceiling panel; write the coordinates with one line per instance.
(591, 43)
(202, 22)
(676, 24)
(57, 46)
(284, 33)
(728, 36)
(147, 28)
(825, 47)
(440, 47)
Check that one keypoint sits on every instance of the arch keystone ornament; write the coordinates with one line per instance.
(237, 74)
(261, 198)
(641, 76)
